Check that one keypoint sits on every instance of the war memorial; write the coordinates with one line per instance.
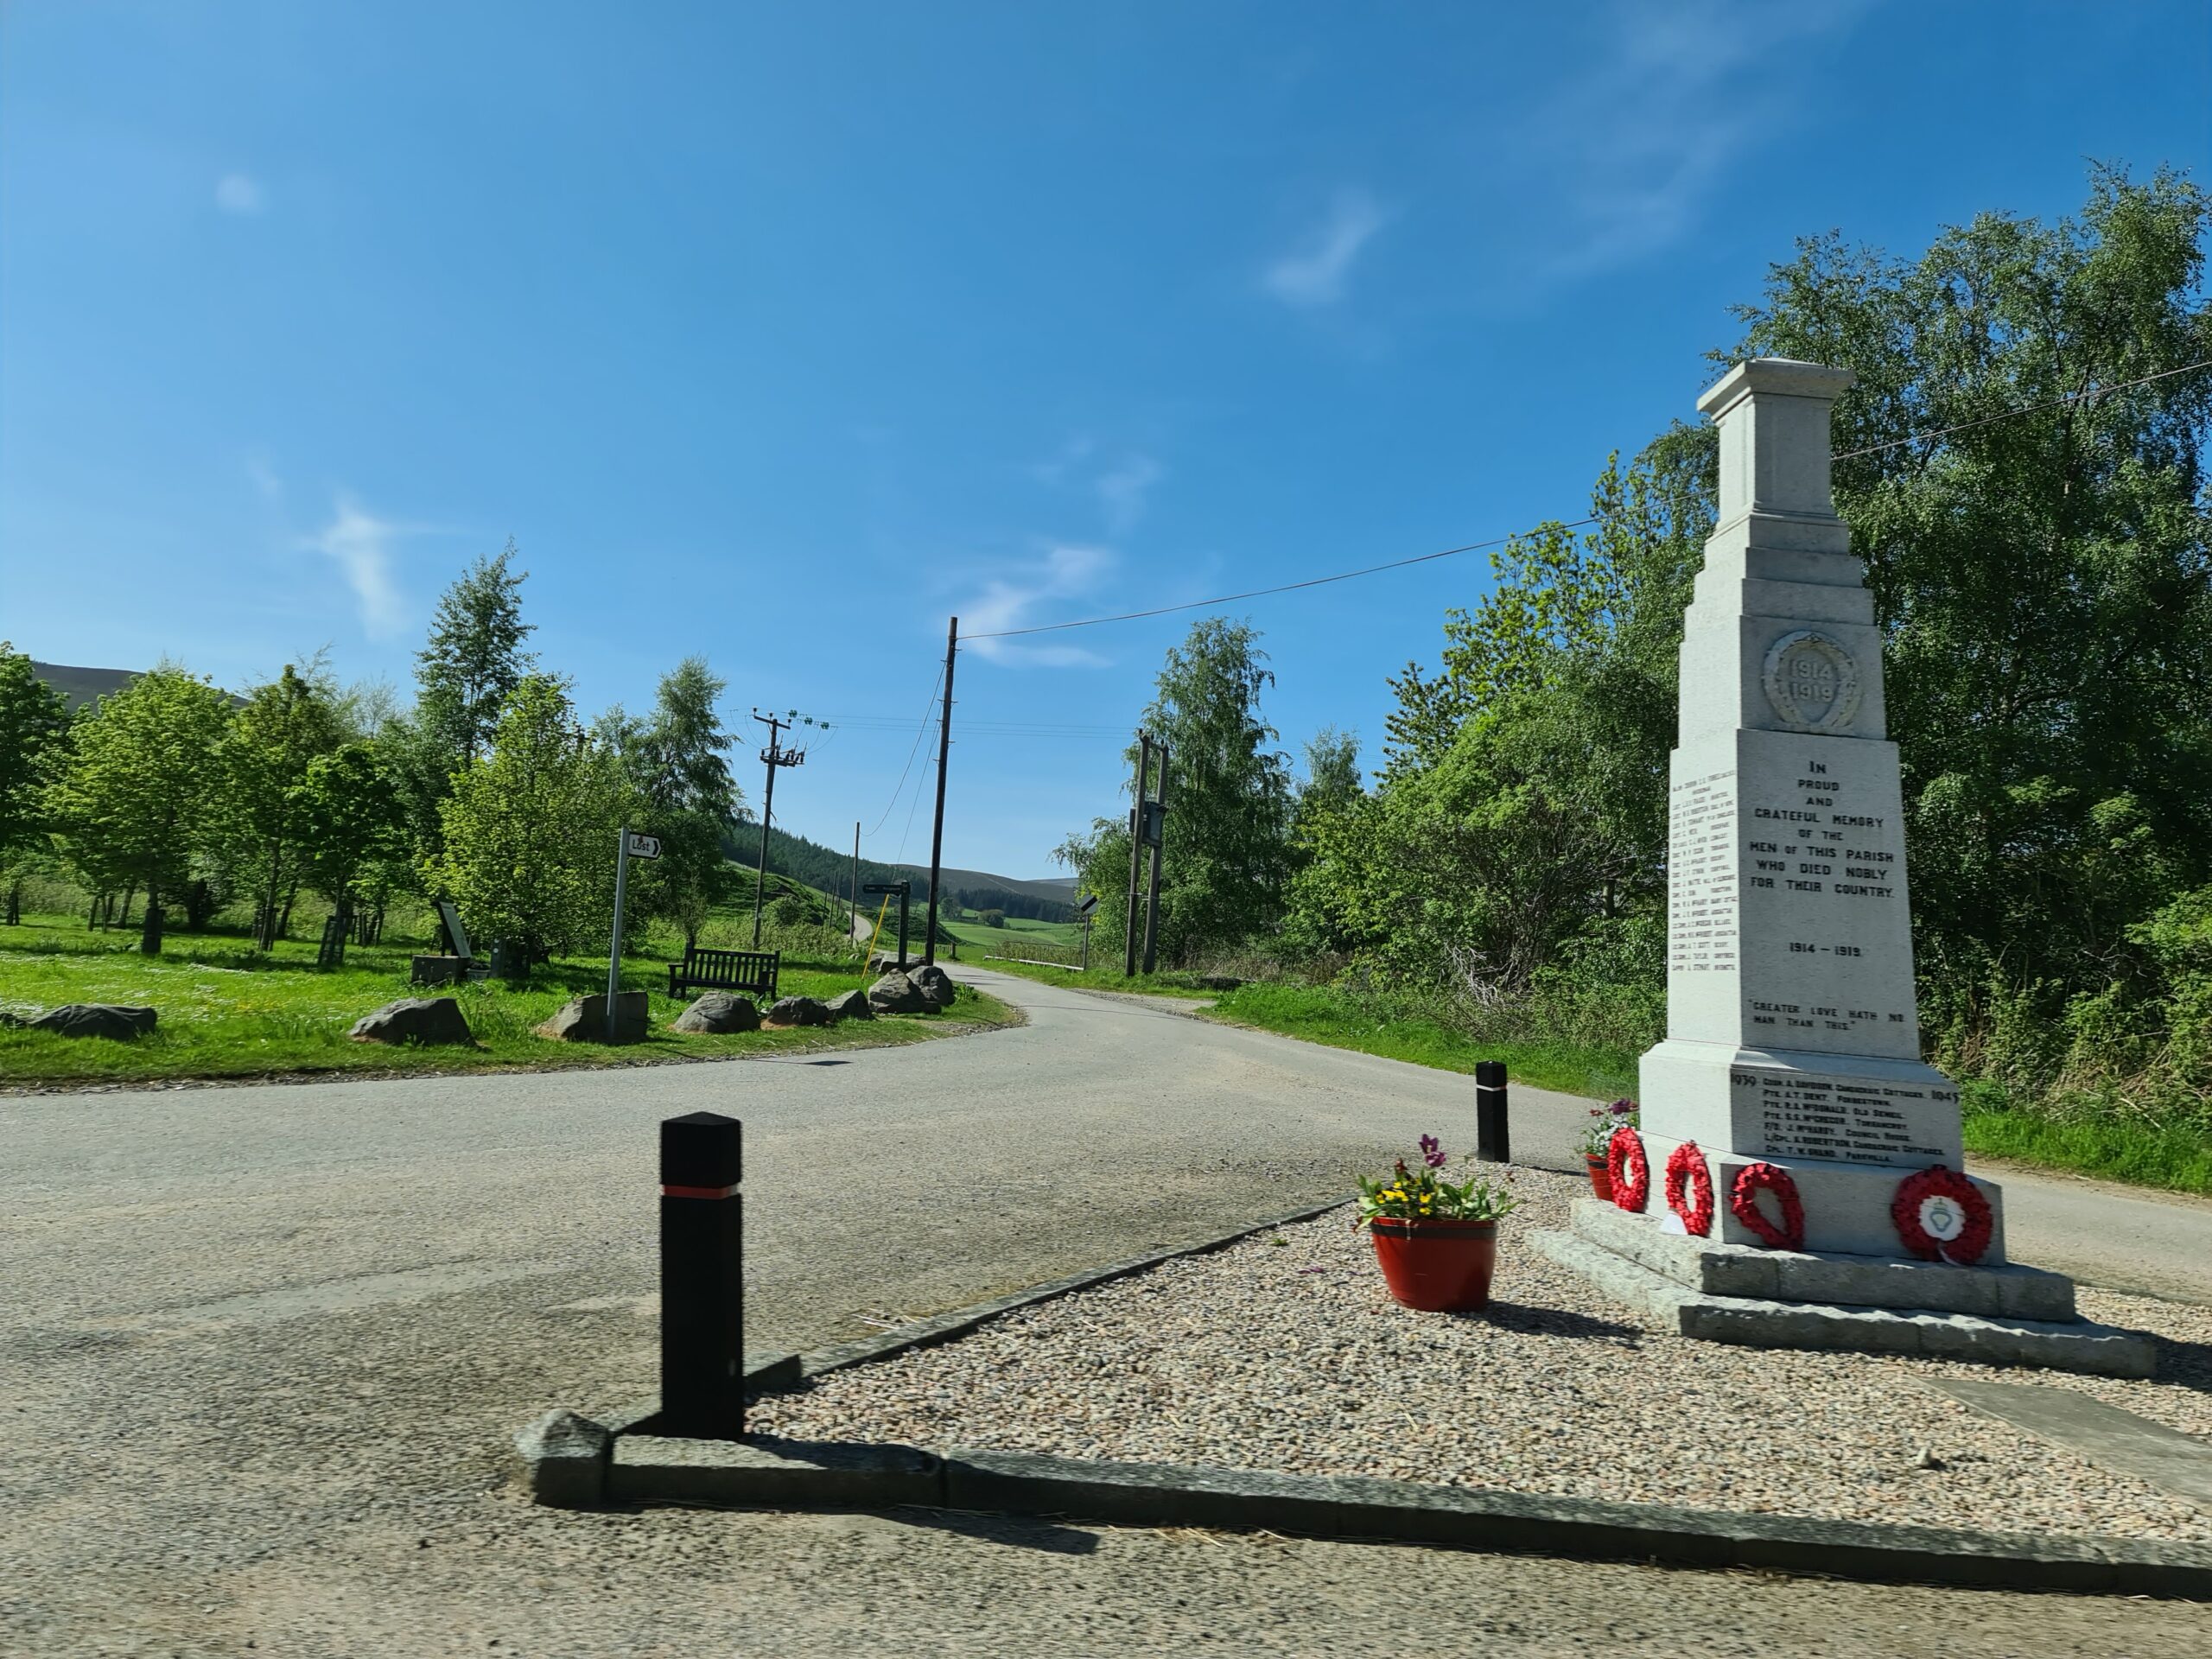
(1798, 1180)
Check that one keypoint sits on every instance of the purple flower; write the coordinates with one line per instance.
(1623, 1107)
(1432, 1152)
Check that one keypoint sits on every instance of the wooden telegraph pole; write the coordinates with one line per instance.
(1158, 822)
(772, 757)
(944, 752)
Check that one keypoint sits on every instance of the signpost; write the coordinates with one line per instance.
(900, 890)
(1082, 911)
(629, 845)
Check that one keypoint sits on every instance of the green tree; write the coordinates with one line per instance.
(465, 676)
(678, 759)
(136, 799)
(1227, 858)
(530, 828)
(266, 754)
(2044, 578)
(34, 722)
(352, 828)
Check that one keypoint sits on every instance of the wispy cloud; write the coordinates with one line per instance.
(1316, 271)
(240, 193)
(360, 543)
(1123, 490)
(1009, 600)
(1640, 139)
(264, 475)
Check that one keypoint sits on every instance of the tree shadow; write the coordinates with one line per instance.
(1557, 1322)
(1015, 1531)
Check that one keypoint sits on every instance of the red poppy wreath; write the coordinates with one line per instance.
(1686, 1168)
(1742, 1203)
(1629, 1169)
(1941, 1216)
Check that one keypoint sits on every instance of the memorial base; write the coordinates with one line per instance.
(1713, 1290)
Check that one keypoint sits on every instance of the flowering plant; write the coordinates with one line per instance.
(1597, 1132)
(1423, 1194)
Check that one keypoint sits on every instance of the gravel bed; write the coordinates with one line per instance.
(1285, 1352)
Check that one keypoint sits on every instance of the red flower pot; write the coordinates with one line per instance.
(1601, 1176)
(1439, 1267)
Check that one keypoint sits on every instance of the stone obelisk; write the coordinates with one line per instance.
(1792, 1034)
(1792, 1037)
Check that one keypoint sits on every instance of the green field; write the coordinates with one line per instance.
(230, 1011)
(1021, 936)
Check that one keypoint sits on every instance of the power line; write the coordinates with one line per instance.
(2014, 414)
(921, 732)
(1572, 524)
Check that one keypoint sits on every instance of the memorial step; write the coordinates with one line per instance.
(1718, 1268)
(1763, 1322)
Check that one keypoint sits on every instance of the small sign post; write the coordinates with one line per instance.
(1083, 910)
(627, 847)
(901, 890)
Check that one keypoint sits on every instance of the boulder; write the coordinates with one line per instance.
(850, 1004)
(96, 1019)
(583, 1019)
(414, 1019)
(896, 993)
(884, 961)
(796, 1011)
(934, 983)
(718, 1012)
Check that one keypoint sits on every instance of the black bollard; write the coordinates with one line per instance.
(1493, 1144)
(702, 1279)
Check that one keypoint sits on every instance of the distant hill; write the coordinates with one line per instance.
(1046, 901)
(83, 685)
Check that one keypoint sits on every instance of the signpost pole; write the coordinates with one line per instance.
(614, 949)
(1136, 852)
(1159, 842)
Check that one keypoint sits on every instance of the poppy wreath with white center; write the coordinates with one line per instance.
(1629, 1169)
(1742, 1203)
(1940, 1182)
(1685, 1170)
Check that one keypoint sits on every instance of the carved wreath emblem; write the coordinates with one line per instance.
(1813, 682)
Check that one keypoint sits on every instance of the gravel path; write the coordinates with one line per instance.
(1285, 1352)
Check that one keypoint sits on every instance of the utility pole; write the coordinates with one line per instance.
(1136, 852)
(944, 752)
(774, 756)
(1159, 820)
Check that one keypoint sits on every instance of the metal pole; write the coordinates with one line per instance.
(614, 949)
(1493, 1141)
(944, 752)
(906, 889)
(1152, 902)
(767, 812)
(702, 1278)
(854, 892)
(1136, 852)
(1085, 966)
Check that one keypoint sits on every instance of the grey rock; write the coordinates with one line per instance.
(884, 961)
(895, 993)
(719, 1011)
(564, 1459)
(850, 1004)
(790, 1011)
(96, 1019)
(934, 983)
(583, 1019)
(414, 1019)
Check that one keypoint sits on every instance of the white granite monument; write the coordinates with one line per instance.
(1793, 1041)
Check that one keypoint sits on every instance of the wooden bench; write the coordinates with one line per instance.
(724, 970)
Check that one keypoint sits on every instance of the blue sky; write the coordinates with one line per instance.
(780, 333)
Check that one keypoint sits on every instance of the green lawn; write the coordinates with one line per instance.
(1107, 977)
(1320, 1015)
(228, 1011)
(2173, 1156)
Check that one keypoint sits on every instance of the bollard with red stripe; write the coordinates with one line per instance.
(702, 1278)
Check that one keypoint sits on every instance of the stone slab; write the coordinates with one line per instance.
(1759, 1322)
(768, 1472)
(2175, 1462)
(1846, 1206)
(1718, 1267)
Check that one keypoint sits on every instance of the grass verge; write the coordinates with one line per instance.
(228, 1011)
(2173, 1157)
(1318, 1014)
(1098, 979)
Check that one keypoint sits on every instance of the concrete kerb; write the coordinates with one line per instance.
(572, 1462)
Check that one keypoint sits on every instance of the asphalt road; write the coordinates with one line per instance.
(261, 1350)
